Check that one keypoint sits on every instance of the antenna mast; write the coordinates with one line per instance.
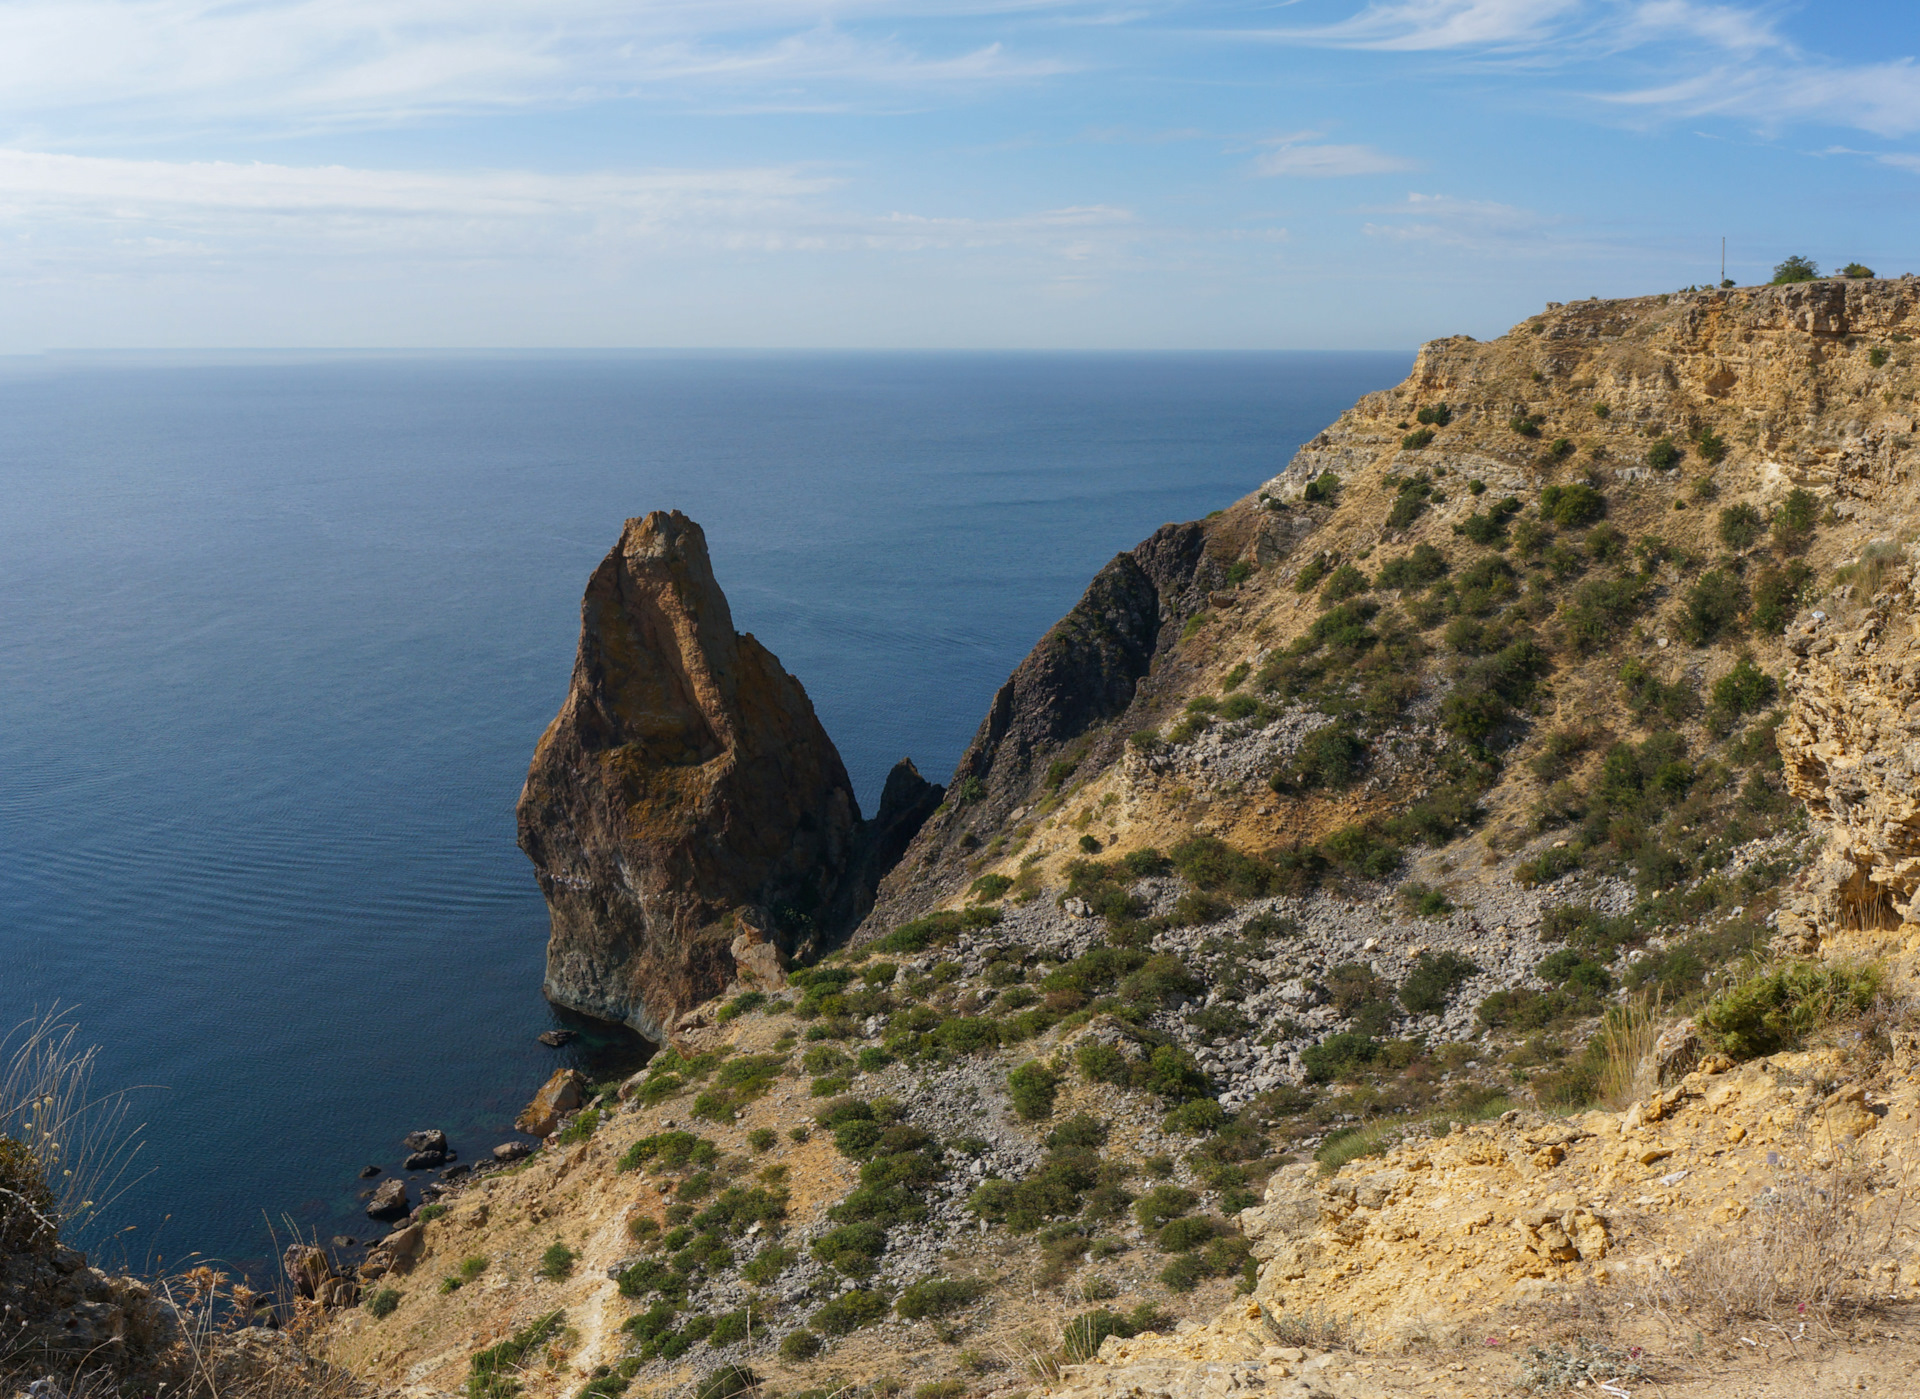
(1723, 257)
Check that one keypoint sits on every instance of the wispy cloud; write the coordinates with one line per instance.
(1437, 24)
(1474, 225)
(84, 214)
(333, 62)
(1882, 98)
(1311, 160)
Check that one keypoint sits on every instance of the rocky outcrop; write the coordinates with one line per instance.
(1085, 672)
(559, 1095)
(686, 787)
(1851, 745)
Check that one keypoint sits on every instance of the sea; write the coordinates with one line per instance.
(278, 633)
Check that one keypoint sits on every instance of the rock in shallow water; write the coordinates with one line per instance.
(512, 1151)
(426, 1160)
(428, 1139)
(389, 1201)
(553, 1039)
(369, 1172)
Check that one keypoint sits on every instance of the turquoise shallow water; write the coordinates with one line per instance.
(278, 633)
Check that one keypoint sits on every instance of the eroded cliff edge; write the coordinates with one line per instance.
(686, 814)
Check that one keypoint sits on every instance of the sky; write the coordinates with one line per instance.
(1083, 174)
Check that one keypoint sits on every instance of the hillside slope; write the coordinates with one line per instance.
(1300, 927)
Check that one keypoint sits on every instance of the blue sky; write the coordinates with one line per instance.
(928, 173)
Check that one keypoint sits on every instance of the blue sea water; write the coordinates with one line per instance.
(278, 634)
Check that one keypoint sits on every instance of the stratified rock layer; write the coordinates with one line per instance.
(686, 790)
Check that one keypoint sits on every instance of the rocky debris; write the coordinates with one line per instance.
(512, 1151)
(685, 783)
(561, 1094)
(389, 1201)
(313, 1277)
(397, 1253)
(369, 1172)
(553, 1039)
(430, 1139)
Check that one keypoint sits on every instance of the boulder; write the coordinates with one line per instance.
(426, 1160)
(430, 1139)
(389, 1201)
(369, 1172)
(512, 1151)
(553, 1039)
(562, 1093)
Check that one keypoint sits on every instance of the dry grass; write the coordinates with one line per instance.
(82, 1139)
(1628, 1032)
(1814, 1245)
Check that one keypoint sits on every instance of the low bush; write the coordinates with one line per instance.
(1572, 507)
(800, 1345)
(1322, 489)
(1746, 689)
(557, 1262)
(1777, 595)
(1776, 1010)
(1740, 526)
(1794, 520)
(1032, 1087)
(1162, 1205)
(1433, 980)
(1712, 607)
(491, 1371)
(1435, 414)
(1795, 269)
(1344, 582)
(938, 1297)
(382, 1304)
(1664, 454)
(850, 1311)
(1527, 425)
(1417, 439)
(1424, 565)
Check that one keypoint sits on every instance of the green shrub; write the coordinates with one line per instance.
(1795, 269)
(1777, 1009)
(1032, 1087)
(989, 887)
(800, 1345)
(1560, 448)
(1489, 527)
(1435, 414)
(1162, 1205)
(1527, 425)
(1424, 565)
(1433, 980)
(1102, 1063)
(740, 1005)
(1197, 1117)
(1411, 500)
(1746, 689)
(580, 1128)
(1339, 1056)
(853, 1249)
(1417, 439)
(1344, 582)
(1572, 507)
(1321, 489)
(729, 1381)
(1711, 446)
(1329, 757)
(1084, 1334)
(1777, 595)
(1740, 526)
(491, 1371)
(1664, 454)
(769, 1263)
(1793, 522)
(1856, 270)
(557, 1262)
(1311, 572)
(1713, 606)
(849, 1312)
(938, 1297)
(1184, 1235)
(968, 1034)
(382, 1304)
(669, 1151)
(1876, 357)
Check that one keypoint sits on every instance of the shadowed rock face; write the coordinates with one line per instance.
(686, 794)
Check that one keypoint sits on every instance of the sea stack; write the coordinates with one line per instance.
(687, 816)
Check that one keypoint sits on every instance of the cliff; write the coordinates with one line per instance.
(685, 805)
(1443, 920)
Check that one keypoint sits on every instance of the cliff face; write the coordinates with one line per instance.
(686, 804)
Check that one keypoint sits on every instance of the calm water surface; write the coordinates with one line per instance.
(277, 636)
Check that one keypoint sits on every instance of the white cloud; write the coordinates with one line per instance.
(1327, 161)
(1479, 225)
(64, 214)
(1438, 24)
(1883, 98)
(355, 61)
